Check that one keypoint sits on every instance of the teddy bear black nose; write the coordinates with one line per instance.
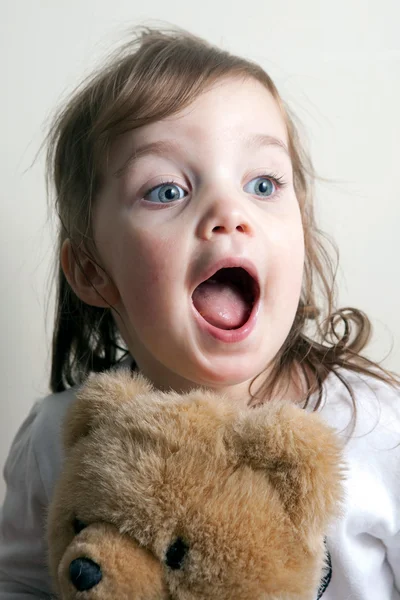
(175, 554)
(84, 573)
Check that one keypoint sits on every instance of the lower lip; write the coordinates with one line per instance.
(229, 336)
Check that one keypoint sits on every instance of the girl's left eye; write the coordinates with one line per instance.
(261, 186)
(165, 193)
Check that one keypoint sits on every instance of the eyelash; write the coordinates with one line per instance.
(278, 181)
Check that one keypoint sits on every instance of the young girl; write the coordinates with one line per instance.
(187, 238)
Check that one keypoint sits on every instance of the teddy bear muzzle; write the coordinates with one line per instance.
(84, 573)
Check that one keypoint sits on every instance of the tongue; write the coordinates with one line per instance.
(221, 304)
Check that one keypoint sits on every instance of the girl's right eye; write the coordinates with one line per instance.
(165, 193)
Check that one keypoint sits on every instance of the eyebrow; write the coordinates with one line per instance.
(160, 148)
(259, 140)
(165, 147)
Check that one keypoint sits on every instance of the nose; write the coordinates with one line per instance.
(224, 213)
(84, 574)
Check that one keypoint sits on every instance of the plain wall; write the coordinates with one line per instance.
(336, 64)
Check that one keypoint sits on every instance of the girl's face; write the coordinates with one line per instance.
(204, 197)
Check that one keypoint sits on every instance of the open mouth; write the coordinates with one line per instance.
(227, 298)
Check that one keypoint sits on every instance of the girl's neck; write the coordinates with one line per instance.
(293, 388)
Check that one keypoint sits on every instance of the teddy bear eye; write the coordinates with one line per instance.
(78, 526)
(175, 554)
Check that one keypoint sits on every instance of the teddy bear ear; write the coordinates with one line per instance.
(98, 399)
(301, 456)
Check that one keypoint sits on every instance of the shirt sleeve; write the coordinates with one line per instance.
(23, 569)
(393, 557)
(391, 471)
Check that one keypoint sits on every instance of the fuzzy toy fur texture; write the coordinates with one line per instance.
(245, 495)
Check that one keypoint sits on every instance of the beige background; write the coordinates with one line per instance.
(336, 63)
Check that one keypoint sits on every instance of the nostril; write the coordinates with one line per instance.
(221, 229)
(84, 573)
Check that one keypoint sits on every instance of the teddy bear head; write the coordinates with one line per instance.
(186, 497)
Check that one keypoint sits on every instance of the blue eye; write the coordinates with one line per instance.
(261, 186)
(165, 193)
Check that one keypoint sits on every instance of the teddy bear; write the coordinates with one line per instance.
(167, 496)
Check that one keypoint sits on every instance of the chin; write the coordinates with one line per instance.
(229, 376)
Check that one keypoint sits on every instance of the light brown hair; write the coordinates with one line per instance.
(155, 75)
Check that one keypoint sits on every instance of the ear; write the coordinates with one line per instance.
(98, 400)
(301, 456)
(86, 277)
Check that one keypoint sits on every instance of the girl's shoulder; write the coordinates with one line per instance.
(364, 409)
(39, 437)
(32, 467)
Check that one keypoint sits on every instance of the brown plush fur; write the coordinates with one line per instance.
(132, 572)
(250, 492)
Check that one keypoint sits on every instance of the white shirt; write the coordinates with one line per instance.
(364, 545)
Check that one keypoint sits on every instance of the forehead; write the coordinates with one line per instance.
(230, 105)
(229, 112)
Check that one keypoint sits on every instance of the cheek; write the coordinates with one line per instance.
(287, 265)
(145, 269)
